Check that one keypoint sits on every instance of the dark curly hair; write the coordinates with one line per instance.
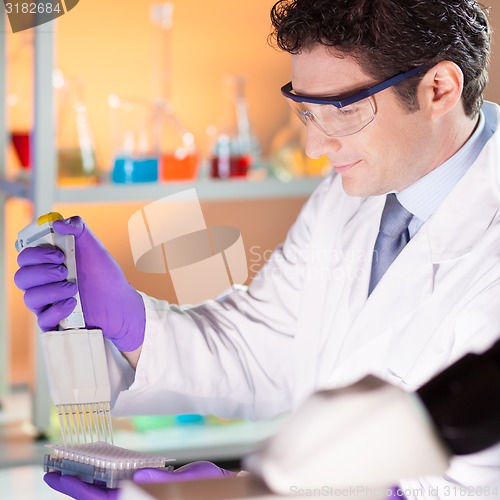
(387, 37)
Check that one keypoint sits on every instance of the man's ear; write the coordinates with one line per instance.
(441, 88)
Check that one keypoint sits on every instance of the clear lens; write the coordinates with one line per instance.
(337, 122)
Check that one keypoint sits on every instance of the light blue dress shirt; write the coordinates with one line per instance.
(423, 197)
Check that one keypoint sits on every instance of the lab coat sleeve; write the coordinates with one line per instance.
(230, 357)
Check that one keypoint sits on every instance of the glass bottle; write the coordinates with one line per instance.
(235, 149)
(288, 157)
(76, 152)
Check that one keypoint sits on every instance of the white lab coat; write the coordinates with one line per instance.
(305, 322)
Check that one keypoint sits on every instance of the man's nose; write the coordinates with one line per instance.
(318, 144)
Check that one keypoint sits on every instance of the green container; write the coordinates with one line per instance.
(148, 423)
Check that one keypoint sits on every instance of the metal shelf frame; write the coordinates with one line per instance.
(4, 336)
(40, 191)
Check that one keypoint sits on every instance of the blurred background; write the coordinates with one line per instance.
(208, 59)
(114, 48)
(116, 64)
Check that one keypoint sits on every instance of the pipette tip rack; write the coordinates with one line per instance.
(101, 463)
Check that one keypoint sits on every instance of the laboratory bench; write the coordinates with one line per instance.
(21, 457)
(26, 483)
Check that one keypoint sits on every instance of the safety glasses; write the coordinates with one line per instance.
(337, 117)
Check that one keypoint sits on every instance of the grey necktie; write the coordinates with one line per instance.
(392, 237)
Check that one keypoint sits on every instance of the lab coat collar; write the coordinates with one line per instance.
(449, 234)
(469, 209)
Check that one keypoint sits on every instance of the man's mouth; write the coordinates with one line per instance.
(341, 169)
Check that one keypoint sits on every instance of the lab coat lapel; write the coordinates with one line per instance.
(358, 240)
(404, 285)
(468, 211)
(326, 281)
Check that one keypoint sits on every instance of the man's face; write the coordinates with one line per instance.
(390, 153)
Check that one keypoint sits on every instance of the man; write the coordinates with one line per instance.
(393, 266)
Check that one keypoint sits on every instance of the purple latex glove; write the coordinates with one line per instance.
(396, 494)
(73, 487)
(189, 472)
(109, 302)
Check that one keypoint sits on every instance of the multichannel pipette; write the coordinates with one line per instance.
(77, 372)
(75, 357)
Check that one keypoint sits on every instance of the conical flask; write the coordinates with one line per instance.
(235, 149)
(175, 146)
(76, 152)
(288, 157)
(174, 143)
(20, 97)
(132, 129)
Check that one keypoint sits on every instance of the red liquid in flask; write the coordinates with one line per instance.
(232, 166)
(21, 143)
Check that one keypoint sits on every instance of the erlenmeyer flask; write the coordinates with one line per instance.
(178, 157)
(235, 150)
(76, 154)
(133, 146)
(288, 157)
(20, 96)
(174, 143)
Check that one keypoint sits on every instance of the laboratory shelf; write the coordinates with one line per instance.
(210, 190)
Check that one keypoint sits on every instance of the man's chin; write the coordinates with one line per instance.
(354, 189)
(360, 190)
